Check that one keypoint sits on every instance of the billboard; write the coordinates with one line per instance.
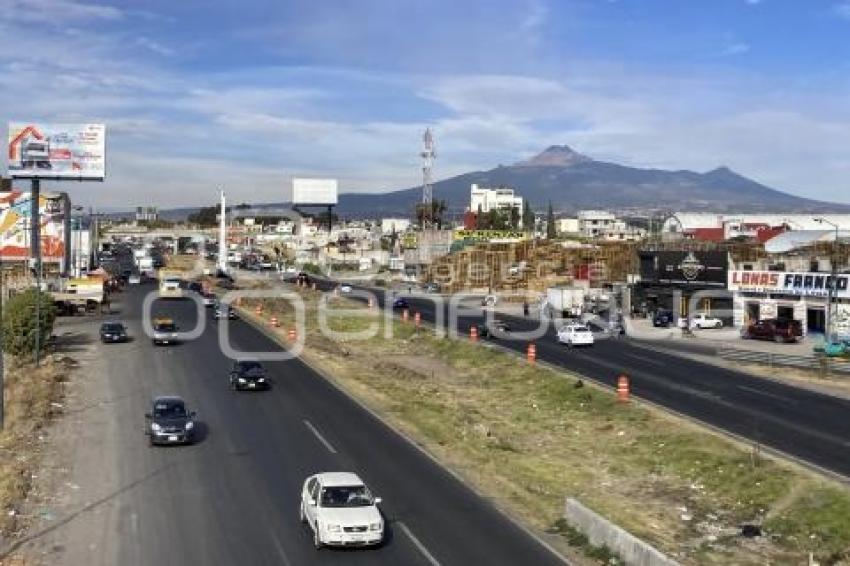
(57, 151)
(15, 215)
(490, 235)
(806, 284)
(686, 268)
(314, 191)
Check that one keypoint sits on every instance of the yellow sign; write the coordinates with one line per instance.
(489, 235)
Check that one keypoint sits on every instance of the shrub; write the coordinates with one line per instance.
(19, 322)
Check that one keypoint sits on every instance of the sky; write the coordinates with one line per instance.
(200, 96)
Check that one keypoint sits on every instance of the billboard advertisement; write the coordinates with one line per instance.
(685, 268)
(57, 151)
(15, 215)
(314, 191)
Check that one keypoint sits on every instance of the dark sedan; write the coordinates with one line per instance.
(248, 375)
(401, 303)
(170, 421)
(112, 332)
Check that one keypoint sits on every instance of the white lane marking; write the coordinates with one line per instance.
(279, 548)
(647, 360)
(418, 544)
(766, 394)
(318, 435)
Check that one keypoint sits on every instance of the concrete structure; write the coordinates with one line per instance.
(601, 532)
(487, 199)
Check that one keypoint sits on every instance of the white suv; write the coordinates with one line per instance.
(341, 511)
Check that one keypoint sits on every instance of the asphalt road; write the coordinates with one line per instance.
(809, 426)
(232, 498)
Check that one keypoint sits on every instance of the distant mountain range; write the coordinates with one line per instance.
(572, 181)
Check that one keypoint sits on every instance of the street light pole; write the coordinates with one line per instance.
(831, 286)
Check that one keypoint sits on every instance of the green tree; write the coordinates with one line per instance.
(205, 217)
(551, 232)
(527, 217)
(435, 216)
(19, 322)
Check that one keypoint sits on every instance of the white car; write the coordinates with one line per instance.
(341, 511)
(575, 335)
(345, 288)
(704, 321)
(134, 280)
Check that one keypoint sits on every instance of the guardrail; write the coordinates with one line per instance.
(813, 362)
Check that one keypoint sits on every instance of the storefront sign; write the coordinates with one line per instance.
(685, 268)
(790, 283)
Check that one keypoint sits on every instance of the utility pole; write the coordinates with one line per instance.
(427, 154)
(35, 227)
(222, 236)
(831, 287)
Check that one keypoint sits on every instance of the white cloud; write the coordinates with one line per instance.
(736, 48)
(842, 9)
(56, 11)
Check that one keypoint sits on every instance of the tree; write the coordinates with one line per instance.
(19, 322)
(434, 216)
(551, 232)
(479, 219)
(527, 217)
(514, 220)
(205, 217)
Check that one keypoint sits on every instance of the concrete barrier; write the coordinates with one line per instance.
(600, 531)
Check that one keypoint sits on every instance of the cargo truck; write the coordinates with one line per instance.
(564, 302)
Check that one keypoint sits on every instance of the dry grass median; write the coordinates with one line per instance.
(527, 437)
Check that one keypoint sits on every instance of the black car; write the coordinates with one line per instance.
(401, 303)
(302, 278)
(662, 319)
(170, 421)
(112, 332)
(248, 374)
(218, 313)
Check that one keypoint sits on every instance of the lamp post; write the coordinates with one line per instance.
(831, 286)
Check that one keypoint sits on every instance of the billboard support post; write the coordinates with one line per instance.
(35, 220)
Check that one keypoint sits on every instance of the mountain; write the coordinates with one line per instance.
(573, 181)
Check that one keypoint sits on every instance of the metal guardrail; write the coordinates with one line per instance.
(816, 362)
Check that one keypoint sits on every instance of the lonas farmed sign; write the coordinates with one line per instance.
(814, 284)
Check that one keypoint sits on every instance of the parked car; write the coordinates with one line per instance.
(341, 511)
(345, 288)
(575, 335)
(134, 280)
(662, 319)
(169, 421)
(776, 329)
(401, 303)
(112, 331)
(702, 321)
(248, 374)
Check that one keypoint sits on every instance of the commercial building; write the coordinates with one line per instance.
(146, 214)
(604, 225)
(793, 280)
(486, 199)
(762, 227)
(394, 225)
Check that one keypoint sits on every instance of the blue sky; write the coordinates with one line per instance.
(245, 95)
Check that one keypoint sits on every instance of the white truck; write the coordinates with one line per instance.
(145, 266)
(564, 302)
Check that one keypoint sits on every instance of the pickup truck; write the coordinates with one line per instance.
(702, 320)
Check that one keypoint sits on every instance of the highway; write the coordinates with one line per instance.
(233, 497)
(806, 425)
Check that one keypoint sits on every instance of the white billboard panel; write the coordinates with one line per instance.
(57, 151)
(314, 191)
